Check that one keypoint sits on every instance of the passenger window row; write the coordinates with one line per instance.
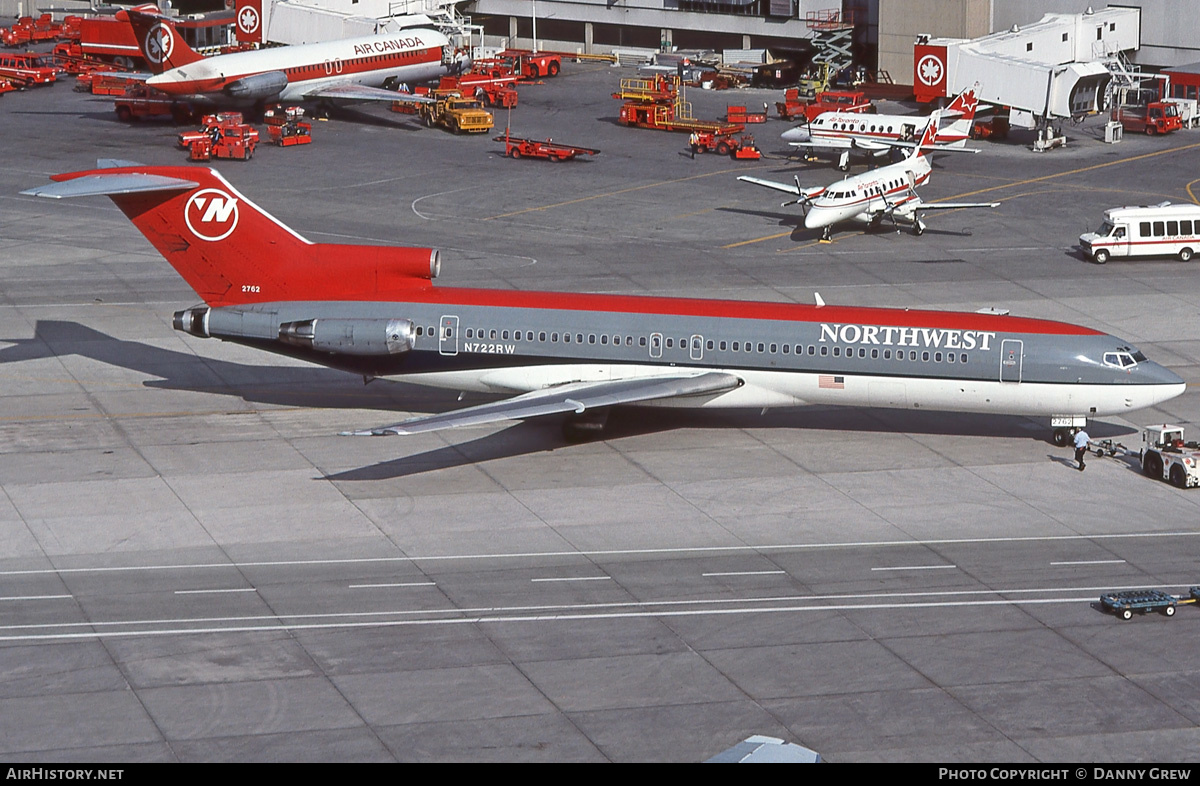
(761, 347)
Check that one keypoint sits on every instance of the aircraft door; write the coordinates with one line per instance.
(448, 336)
(656, 344)
(697, 347)
(1012, 354)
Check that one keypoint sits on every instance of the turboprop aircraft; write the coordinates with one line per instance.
(374, 311)
(847, 134)
(353, 69)
(887, 192)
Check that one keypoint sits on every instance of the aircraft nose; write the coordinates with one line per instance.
(797, 134)
(1160, 375)
(817, 219)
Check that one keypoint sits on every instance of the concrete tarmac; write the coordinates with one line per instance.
(194, 566)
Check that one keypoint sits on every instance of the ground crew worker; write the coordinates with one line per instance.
(1081, 445)
(694, 143)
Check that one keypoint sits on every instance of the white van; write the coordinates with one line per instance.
(1156, 230)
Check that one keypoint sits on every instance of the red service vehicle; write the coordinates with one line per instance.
(109, 39)
(1156, 117)
(515, 147)
(28, 30)
(489, 90)
(6, 86)
(532, 65)
(286, 126)
(794, 106)
(23, 70)
(223, 135)
(141, 101)
(735, 147)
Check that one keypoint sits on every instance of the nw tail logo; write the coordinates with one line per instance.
(211, 214)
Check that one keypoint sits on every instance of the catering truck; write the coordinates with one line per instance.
(1139, 230)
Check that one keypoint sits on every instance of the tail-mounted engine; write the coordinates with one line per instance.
(351, 336)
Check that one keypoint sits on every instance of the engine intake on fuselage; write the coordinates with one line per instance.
(351, 336)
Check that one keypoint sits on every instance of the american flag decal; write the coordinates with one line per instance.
(831, 383)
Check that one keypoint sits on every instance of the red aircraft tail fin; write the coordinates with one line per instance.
(162, 46)
(232, 252)
(962, 111)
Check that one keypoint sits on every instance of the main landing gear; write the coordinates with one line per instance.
(584, 428)
(1062, 437)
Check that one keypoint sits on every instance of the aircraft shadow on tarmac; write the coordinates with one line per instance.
(317, 387)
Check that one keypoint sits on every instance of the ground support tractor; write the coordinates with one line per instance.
(531, 65)
(287, 127)
(736, 147)
(1166, 456)
(1156, 117)
(223, 135)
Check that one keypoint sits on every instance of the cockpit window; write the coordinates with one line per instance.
(1120, 359)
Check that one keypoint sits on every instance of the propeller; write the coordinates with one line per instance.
(802, 199)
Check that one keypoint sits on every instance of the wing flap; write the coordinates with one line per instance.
(577, 397)
(955, 205)
(353, 92)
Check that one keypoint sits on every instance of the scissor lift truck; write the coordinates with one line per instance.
(1166, 456)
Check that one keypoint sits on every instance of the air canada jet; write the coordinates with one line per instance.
(889, 192)
(353, 69)
(374, 311)
(847, 134)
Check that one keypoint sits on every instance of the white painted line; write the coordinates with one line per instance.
(493, 618)
(212, 591)
(606, 553)
(578, 578)
(748, 573)
(36, 597)
(556, 611)
(919, 567)
(407, 584)
(1093, 562)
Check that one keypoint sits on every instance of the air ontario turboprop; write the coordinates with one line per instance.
(887, 192)
(374, 311)
(846, 134)
(352, 69)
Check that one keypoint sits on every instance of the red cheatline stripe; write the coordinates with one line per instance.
(741, 309)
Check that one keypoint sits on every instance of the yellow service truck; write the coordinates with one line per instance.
(452, 110)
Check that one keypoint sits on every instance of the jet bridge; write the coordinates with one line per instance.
(1054, 69)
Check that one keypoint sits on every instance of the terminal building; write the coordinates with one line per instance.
(879, 35)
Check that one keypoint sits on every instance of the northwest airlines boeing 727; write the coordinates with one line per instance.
(374, 311)
(352, 69)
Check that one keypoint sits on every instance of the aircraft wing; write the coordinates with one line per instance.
(844, 143)
(787, 188)
(954, 205)
(577, 397)
(352, 92)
